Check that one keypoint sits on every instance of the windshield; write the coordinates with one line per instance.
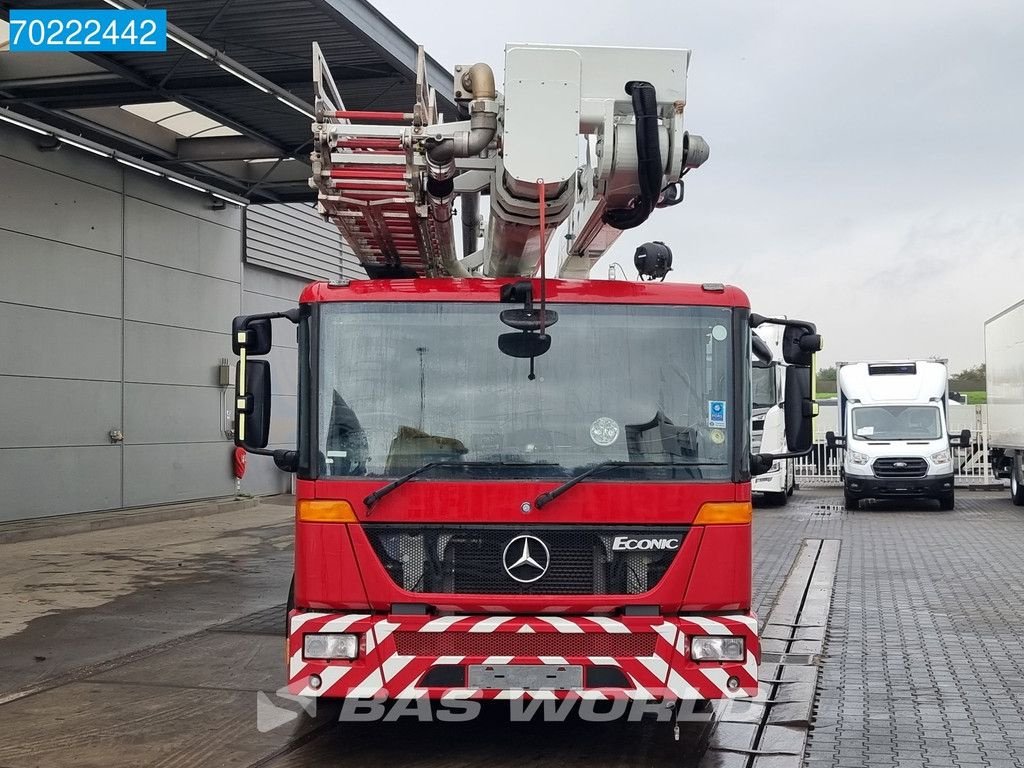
(403, 384)
(896, 422)
(762, 386)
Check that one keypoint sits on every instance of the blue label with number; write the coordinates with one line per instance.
(716, 413)
(82, 31)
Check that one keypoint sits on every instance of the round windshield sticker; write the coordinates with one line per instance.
(719, 333)
(604, 431)
(717, 436)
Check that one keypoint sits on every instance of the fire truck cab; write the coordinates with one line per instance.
(507, 484)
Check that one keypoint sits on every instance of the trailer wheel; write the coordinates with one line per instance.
(947, 501)
(1016, 487)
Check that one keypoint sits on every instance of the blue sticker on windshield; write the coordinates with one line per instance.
(716, 413)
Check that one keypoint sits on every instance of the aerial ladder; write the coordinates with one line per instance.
(590, 137)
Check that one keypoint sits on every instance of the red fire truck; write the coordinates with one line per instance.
(511, 485)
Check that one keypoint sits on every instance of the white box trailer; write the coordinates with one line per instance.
(1004, 366)
(894, 427)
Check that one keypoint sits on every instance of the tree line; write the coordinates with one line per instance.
(968, 380)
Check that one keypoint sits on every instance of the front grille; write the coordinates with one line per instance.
(434, 644)
(451, 559)
(900, 467)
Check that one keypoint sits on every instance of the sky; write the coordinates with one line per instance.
(867, 158)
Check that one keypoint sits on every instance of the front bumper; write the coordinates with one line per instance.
(870, 487)
(408, 657)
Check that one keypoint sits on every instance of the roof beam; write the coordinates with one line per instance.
(224, 148)
(378, 32)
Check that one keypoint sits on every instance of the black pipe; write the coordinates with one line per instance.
(649, 163)
(470, 221)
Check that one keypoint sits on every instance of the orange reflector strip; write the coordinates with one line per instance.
(317, 511)
(721, 512)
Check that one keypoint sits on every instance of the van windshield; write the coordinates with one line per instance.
(896, 422)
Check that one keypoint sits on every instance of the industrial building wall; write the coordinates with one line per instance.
(117, 291)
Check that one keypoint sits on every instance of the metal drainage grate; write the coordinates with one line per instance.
(827, 510)
(269, 621)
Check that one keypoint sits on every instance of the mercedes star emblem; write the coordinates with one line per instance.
(526, 558)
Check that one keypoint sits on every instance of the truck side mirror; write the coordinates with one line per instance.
(251, 333)
(799, 410)
(800, 341)
(252, 404)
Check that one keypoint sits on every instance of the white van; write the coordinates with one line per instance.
(894, 429)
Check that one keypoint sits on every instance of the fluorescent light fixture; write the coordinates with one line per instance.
(82, 147)
(242, 77)
(296, 107)
(184, 183)
(138, 167)
(189, 46)
(26, 126)
(227, 199)
(114, 4)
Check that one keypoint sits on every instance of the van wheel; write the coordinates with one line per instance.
(947, 501)
(1016, 487)
(852, 502)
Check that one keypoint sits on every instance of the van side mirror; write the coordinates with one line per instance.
(252, 404)
(833, 442)
(963, 440)
(799, 410)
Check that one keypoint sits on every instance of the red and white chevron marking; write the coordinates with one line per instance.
(382, 671)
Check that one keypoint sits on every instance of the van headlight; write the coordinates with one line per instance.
(718, 648)
(942, 457)
(859, 458)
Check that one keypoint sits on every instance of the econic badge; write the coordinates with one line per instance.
(88, 30)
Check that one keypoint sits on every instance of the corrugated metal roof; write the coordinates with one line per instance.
(294, 239)
(372, 60)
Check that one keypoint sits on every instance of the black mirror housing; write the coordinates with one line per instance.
(799, 410)
(800, 341)
(252, 409)
(524, 344)
(965, 438)
(257, 339)
(833, 442)
(760, 463)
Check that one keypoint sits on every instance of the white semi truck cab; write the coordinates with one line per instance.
(768, 424)
(894, 429)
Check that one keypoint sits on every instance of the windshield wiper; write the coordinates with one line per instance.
(383, 491)
(604, 466)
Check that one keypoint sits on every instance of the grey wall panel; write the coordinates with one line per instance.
(43, 273)
(262, 477)
(166, 296)
(57, 412)
(177, 198)
(59, 208)
(163, 413)
(283, 429)
(21, 145)
(36, 482)
(294, 239)
(163, 236)
(45, 342)
(275, 284)
(160, 354)
(158, 474)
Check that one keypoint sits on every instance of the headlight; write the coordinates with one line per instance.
(709, 648)
(942, 457)
(859, 458)
(776, 466)
(330, 646)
